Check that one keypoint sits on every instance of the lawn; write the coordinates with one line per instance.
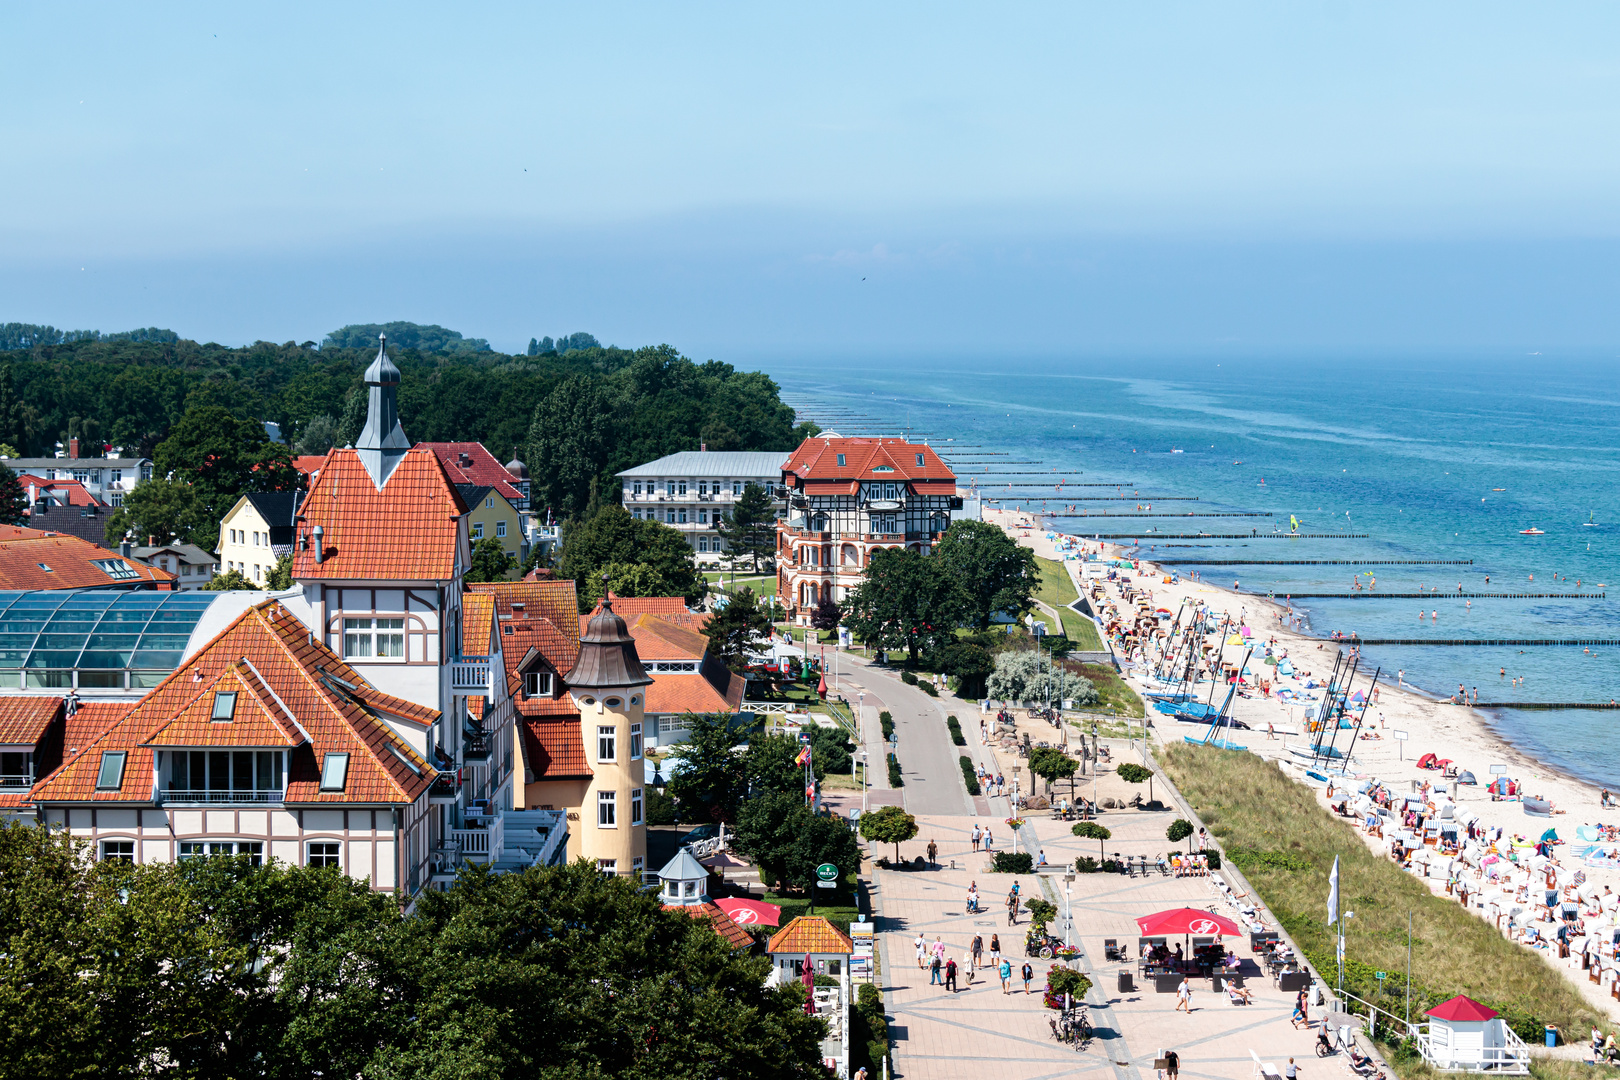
(836, 905)
(1111, 690)
(1251, 805)
(1057, 590)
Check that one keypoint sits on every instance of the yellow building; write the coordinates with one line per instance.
(255, 532)
(492, 515)
(608, 687)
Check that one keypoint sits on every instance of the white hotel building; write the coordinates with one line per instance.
(690, 491)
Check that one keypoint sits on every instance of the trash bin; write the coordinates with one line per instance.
(1552, 1035)
(1127, 985)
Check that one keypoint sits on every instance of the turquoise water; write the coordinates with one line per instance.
(1408, 451)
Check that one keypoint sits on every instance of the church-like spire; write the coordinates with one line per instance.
(382, 443)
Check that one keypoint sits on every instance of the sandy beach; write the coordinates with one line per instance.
(1457, 732)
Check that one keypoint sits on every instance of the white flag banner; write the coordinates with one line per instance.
(1333, 893)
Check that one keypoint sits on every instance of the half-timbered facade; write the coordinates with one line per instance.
(848, 497)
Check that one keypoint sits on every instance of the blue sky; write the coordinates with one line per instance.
(923, 179)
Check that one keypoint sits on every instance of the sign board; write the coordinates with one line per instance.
(826, 884)
(827, 872)
(1498, 770)
(1398, 736)
(859, 930)
(1380, 975)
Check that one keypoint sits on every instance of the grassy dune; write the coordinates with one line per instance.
(1057, 590)
(1250, 806)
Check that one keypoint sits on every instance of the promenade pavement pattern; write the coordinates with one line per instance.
(979, 1034)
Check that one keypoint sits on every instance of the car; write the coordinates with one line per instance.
(702, 832)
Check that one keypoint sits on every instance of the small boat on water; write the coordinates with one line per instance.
(1591, 520)
(1532, 531)
(1177, 450)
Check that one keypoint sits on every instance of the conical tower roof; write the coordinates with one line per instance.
(607, 654)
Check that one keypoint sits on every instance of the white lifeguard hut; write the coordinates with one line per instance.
(1464, 1036)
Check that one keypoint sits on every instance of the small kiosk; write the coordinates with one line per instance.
(1464, 1036)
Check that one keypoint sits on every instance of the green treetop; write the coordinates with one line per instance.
(736, 627)
(749, 527)
(613, 537)
(906, 600)
(995, 573)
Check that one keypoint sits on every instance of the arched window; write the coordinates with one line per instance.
(819, 523)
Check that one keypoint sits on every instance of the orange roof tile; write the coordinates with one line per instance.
(814, 465)
(660, 638)
(310, 464)
(407, 531)
(73, 492)
(539, 615)
(254, 717)
(555, 748)
(810, 934)
(90, 722)
(723, 924)
(628, 607)
(297, 676)
(483, 468)
(478, 622)
(43, 560)
(23, 720)
(715, 689)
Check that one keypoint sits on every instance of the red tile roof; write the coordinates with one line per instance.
(255, 718)
(90, 722)
(23, 720)
(723, 924)
(814, 466)
(268, 651)
(478, 622)
(482, 468)
(310, 465)
(73, 493)
(713, 689)
(628, 607)
(407, 531)
(23, 562)
(537, 615)
(660, 638)
(555, 748)
(810, 934)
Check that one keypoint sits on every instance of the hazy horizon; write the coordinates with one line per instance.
(749, 183)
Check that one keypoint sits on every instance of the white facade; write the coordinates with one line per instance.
(107, 479)
(691, 491)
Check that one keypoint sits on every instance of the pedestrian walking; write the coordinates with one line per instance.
(950, 975)
(995, 948)
(1292, 1071)
(1184, 997)
(978, 950)
(970, 965)
(989, 839)
(933, 853)
(934, 970)
(978, 834)
(1028, 973)
(1006, 976)
(921, 945)
(1172, 1064)
(939, 950)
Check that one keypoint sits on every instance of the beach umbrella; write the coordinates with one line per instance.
(809, 980)
(1358, 697)
(1187, 921)
(750, 912)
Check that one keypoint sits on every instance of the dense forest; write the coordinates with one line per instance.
(575, 416)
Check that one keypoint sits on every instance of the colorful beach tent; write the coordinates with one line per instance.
(1427, 761)
(1466, 777)
(1550, 836)
(1187, 921)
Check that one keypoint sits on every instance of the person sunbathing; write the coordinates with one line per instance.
(1238, 996)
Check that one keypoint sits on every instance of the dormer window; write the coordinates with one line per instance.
(919, 459)
(537, 684)
(224, 706)
(110, 774)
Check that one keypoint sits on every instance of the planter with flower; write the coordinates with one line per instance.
(1063, 980)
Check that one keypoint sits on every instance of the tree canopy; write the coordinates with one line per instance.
(405, 335)
(736, 627)
(614, 539)
(889, 825)
(995, 574)
(907, 600)
(215, 967)
(749, 527)
(1026, 675)
(490, 562)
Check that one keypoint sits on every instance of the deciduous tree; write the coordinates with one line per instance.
(994, 572)
(490, 561)
(166, 509)
(889, 825)
(613, 537)
(710, 779)
(906, 600)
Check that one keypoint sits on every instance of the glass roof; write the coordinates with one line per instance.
(106, 630)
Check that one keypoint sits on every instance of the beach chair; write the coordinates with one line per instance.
(1264, 1070)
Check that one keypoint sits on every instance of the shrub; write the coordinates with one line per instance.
(1132, 773)
(1012, 862)
(1178, 831)
(1061, 980)
(928, 688)
(1245, 858)
(1213, 858)
(1040, 910)
(874, 1039)
(909, 678)
(886, 722)
(1085, 864)
(969, 776)
(956, 731)
(661, 808)
(1113, 866)
(895, 779)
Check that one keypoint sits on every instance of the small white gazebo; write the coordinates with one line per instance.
(1464, 1036)
(683, 881)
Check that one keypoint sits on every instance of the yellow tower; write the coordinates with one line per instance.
(608, 687)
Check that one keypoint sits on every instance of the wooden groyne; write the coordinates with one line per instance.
(1319, 562)
(1375, 594)
(1454, 642)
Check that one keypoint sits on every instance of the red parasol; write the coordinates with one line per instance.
(750, 912)
(1187, 921)
(809, 980)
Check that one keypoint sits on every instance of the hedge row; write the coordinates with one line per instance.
(956, 731)
(969, 777)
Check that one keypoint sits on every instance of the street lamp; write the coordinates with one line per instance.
(866, 780)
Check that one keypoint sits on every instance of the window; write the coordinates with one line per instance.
(537, 684)
(116, 476)
(670, 514)
(635, 806)
(637, 489)
(224, 705)
(110, 776)
(607, 809)
(703, 487)
(637, 513)
(635, 742)
(323, 853)
(197, 849)
(489, 503)
(680, 488)
(607, 743)
(117, 499)
(374, 637)
(225, 775)
(703, 544)
(607, 867)
(118, 851)
(258, 572)
(500, 528)
(683, 515)
(116, 568)
(334, 771)
(478, 530)
(690, 887)
(841, 459)
(919, 459)
(736, 487)
(703, 516)
(636, 866)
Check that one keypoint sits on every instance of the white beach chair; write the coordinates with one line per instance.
(1264, 1070)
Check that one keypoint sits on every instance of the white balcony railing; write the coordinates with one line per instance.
(471, 674)
(207, 796)
(482, 844)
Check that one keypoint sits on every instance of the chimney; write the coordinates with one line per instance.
(73, 446)
(320, 552)
(151, 541)
(126, 550)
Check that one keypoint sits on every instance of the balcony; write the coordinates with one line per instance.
(472, 675)
(445, 790)
(480, 844)
(220, 797)
(474, 746)
(16, 782)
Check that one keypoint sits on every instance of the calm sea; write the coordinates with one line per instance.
(1432, 458)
